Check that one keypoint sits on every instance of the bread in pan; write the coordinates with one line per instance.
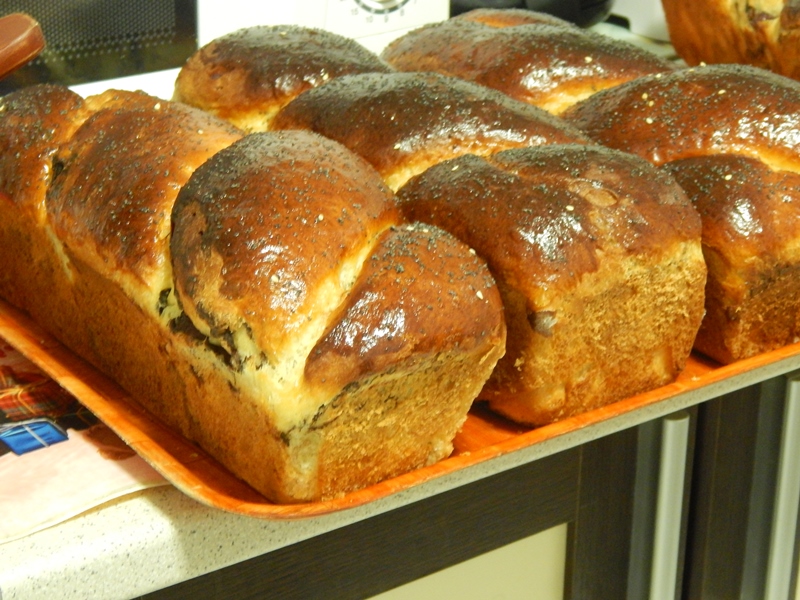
(402, 123)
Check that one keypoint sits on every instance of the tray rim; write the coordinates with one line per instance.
(202, 478)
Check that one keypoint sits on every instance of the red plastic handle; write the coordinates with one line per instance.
(21, 40)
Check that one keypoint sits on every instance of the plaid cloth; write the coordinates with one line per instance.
(27, 393)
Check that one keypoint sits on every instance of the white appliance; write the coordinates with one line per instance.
(646, 17)
(373, 23)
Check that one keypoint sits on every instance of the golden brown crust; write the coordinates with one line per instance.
(325, 216)
(404, 122)
(751, 240)
(34, 121)
(703, 110)
(115, 182)
(248, 75)
(762, 33)
(511, 16)
(731, 133)
(597, 255)
(264, 224)
(420, 292)
(547, 65)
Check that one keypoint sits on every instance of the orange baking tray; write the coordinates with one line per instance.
(483, 437)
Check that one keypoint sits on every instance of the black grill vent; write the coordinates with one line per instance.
(103, 39)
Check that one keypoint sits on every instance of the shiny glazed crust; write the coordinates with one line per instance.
(402, 123)
(549, 64)
(731, 134)
(306, 381)
(597, 255)
(751, 241)
(245, 77)
(34, 125)
(762, 33)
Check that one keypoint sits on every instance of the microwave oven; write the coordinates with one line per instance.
(105, 40)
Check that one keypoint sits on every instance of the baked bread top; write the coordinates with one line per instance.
(714, 109)
(547, 64)
(291, 256)
(509, 17)
(114, 185)
(554, 211)
(404, 122)
(35, 122)
(274, 230)
(246, 76)
(750, 212)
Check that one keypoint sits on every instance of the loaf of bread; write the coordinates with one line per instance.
(598, 259)
(402, 123)
(762, 33)
(246, 76)
(538, 59)
(731, 134)
(261, 294)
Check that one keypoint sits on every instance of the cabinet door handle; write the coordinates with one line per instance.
(669, 506)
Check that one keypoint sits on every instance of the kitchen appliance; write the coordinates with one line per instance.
(643, 17)
(108, 39)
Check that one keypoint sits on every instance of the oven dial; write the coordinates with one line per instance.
(381, 7)
(375, 22)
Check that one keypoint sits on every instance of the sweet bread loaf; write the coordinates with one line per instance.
(731, 134)
(762, 33)
(261, 294)
(34, 124)
(246, 76)
(597, 256)
(751, 224)
(539, 60)
(402, 123)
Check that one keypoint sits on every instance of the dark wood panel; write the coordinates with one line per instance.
(385, 551)
(733, 490)
(600, 535)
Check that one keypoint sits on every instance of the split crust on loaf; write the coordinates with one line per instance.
(372, 348)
